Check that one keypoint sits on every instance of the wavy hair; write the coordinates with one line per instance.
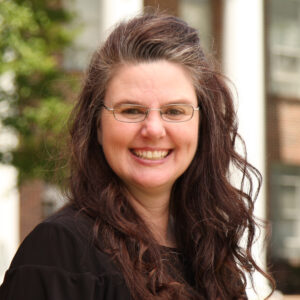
(211, 215)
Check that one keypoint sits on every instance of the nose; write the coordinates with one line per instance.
(153, 125)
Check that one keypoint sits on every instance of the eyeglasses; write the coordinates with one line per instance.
(134, 113)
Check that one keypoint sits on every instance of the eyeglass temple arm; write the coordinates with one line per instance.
(108, 108)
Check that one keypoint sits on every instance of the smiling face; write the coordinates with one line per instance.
(152, 154)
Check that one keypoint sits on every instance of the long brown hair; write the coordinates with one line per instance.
(211, 215)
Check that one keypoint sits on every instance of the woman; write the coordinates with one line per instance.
(152, 214)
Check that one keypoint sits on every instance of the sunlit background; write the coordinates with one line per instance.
(45, 47)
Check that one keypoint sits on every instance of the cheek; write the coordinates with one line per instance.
(104, 129)
(189, 136)
(114, 138)
(110, 151)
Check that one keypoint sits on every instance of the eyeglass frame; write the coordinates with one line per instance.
(111, 109)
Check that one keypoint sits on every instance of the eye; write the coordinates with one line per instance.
(174, 111)
(130, 111)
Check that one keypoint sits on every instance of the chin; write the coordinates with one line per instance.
(154, 185)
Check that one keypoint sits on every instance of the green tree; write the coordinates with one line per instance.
(33, 36)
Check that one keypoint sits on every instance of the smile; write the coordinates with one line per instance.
(151, 155)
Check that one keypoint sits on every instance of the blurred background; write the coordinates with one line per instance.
(45, 47)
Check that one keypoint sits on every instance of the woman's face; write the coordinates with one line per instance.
(152, 154)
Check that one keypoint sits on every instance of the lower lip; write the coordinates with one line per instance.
(146, 161)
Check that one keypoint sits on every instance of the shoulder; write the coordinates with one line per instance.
(64, 240)
(60, 260)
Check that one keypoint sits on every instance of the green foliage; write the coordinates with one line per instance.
(33, 36)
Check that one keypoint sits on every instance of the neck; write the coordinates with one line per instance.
(154, 210)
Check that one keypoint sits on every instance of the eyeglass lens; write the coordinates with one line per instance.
(169, 112)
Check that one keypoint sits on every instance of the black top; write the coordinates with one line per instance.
(58, 261)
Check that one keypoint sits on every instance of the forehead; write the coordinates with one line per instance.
(158, 82)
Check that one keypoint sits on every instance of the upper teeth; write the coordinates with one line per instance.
(151, 154)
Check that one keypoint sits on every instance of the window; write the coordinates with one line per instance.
(284, 47)
(198, 13)
(87, 23)
(284, 214)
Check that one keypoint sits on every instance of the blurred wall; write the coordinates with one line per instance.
(9, 216)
